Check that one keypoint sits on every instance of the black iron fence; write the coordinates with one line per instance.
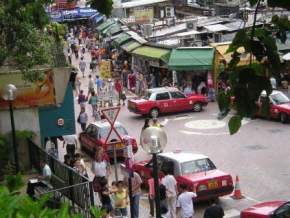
(68, 185)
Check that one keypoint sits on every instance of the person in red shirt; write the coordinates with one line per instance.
(119, 89)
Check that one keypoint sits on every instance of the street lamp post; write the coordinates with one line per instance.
(9, 95)
(153, 141)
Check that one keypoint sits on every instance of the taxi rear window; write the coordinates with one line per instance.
(196, 166)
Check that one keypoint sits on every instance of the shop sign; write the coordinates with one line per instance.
(38, 93)
(143, 15)
(60, 122)
(105, 69)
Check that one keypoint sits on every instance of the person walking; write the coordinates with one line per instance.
(151, 195)
(91, 85)
(78, 84)
(93, 101)
(214, 211)
(136, 192)
(83, 119)
(119, 90)
(185, 202)
(71, 142)
(82, 99)
(99, 84)
(171, 191)
(82, 66)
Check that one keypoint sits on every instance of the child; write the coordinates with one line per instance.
(121, 200)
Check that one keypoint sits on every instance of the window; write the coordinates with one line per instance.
(196, 166)
(279, 98)
(105, 131)
(162, 96)
(283, 211)
(92, 131)
(177, 95)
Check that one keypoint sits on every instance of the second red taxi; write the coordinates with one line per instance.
(166, 100)
(197, 171)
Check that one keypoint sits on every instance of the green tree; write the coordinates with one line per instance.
(247, 82)
(23, 42)
(103, 6)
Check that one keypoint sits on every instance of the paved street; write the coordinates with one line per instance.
(258, 153)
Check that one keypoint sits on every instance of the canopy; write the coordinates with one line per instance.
(122, 38)
(112, 29)
(153, 52)
(105, 25)
(191, 59)
(71, 15)
(130, 46)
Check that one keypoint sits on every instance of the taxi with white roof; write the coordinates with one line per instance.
(96, 134)
(197, 171)
(166, 100)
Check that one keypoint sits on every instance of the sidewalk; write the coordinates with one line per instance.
(143, 205)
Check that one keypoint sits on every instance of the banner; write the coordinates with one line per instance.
(143, 15)
(39, 93)
(105, 69)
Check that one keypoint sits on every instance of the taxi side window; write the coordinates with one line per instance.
(162, 96)
(177, 95)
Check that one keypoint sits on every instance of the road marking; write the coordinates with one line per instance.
(232, 213)
(205, 124)
(203, 133)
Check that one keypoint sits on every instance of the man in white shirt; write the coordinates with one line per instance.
(171, 191)
(185, 202)
(71, 144)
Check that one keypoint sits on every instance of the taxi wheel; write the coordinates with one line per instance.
(283, 118)
(154, 112)
(197, 107)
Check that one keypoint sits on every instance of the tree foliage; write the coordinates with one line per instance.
(103, 6)
(247, 82)
(23, 42)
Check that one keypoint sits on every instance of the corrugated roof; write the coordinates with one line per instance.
(216, 28)
(137, 37)
(138, 3)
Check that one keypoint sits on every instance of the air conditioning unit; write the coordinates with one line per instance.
(191, 25)
(169, 12)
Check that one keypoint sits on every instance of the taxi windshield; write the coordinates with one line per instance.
(105, 131)
(279, 98)
(147, 95)
(197, 166)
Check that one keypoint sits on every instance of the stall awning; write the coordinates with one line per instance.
(130, 46)
(113, 29)
(191, 59)
(105, 25)
(153, 52)
(222, 48)
(122, 38)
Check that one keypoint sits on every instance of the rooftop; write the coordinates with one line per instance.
(138, 3)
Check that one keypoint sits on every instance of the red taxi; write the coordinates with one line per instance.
(195, 170)
(96, 133)
(271, 209)
(279, 105)
(166, 100)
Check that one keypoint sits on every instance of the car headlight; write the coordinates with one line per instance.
(224, 182)
(202, 188)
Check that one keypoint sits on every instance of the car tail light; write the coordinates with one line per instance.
(202, 188)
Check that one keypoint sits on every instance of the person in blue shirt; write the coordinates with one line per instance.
(99, 83)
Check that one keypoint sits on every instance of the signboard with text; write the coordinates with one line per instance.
(143, 15)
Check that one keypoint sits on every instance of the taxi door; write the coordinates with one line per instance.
(164, 102)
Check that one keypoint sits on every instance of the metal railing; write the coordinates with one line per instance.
(71, 187)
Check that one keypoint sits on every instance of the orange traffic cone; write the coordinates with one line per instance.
(237, 192)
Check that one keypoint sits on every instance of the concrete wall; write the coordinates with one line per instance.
(61, 78)
(25, 119)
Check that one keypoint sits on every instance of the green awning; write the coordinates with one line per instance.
(105, 25)
(153, 52)
(130, 46)
(122, 38)
(191, 59)
(112, 29)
